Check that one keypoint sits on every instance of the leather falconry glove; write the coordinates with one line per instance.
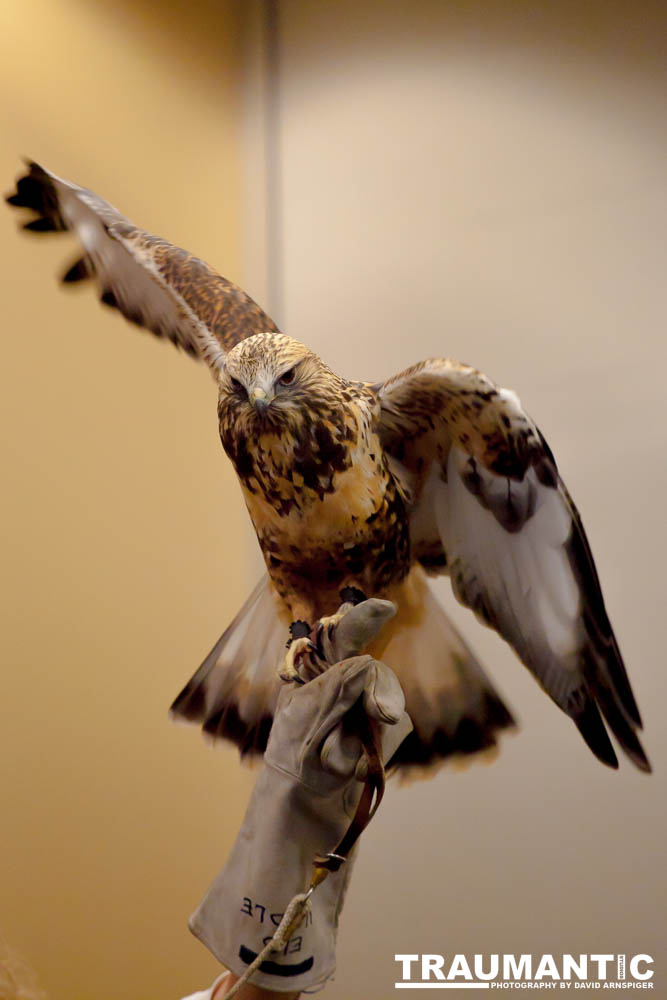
(301, 806)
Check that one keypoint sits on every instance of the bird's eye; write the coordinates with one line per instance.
(236, 385)
(287, 377)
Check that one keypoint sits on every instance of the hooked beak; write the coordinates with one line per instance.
(260, 400)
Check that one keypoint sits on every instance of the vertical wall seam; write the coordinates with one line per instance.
(274, 216)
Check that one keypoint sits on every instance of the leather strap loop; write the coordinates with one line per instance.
(371, 797)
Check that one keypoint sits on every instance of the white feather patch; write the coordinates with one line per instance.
(524, 576)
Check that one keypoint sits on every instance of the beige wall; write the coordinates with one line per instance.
(479, 180)
(487, 181)
(123, 533)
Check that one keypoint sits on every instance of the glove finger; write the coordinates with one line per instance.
(383, 696)
(358, 627)
(334, 693)
(340, 752)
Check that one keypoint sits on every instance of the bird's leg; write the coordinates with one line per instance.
(350, 596)
(298, 646)
(306, 656)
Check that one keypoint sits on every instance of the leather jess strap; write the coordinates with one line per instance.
(371, 796)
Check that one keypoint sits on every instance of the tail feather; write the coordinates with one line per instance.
(455, 710)
(453, 706)
(234, 692)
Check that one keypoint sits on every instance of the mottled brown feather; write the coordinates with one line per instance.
(154, 284)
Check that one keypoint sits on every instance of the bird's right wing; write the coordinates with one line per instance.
(488, 507)
(153, 283)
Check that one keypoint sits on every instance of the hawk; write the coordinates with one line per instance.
(356, 488)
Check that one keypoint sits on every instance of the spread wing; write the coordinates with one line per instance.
(488, 507)
(154, 284)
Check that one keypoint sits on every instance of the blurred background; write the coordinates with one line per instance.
(484, 181)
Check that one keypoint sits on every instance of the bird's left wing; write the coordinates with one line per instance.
(488, 507)
(154, 284)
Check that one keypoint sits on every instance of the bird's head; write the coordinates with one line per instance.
(270, 378)
(287, 422)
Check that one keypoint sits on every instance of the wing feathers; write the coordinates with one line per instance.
(595, 618)
(80, 270)
(152, 283)
(487, 496)
(589, 723)
(31, 192)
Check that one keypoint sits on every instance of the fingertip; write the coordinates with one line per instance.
(362, 623)
(379, 609)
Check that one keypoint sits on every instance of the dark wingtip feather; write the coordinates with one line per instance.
(27, 194)
(621, 682)
(604, 668)
(592, 728)
(35, 191)
(43, 225)
(79, 271)
(35, 169)
(642, 762)
(623, 731)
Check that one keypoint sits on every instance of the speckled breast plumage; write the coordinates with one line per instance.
(323, 502)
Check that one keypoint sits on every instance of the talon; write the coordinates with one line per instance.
(352, 595)
(319, 648)
(299, 646)
(329, 622)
